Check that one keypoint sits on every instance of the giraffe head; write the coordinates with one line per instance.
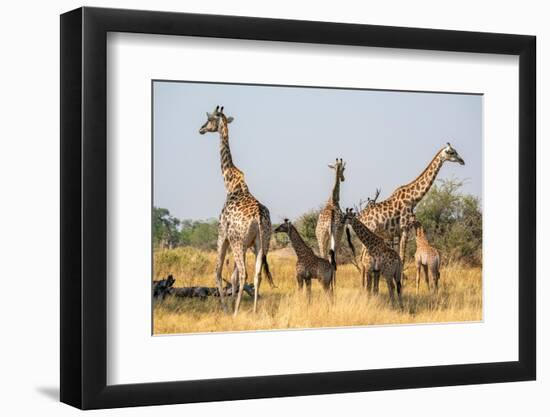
(284, 227)
(339, 166)
(213, 121)
(348, 215)
(449, 153)
(419, 229)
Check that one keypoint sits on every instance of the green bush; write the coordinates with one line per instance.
(306, 224)
(199, 234)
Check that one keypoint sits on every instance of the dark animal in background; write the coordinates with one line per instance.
(165, 287)
(161, 288)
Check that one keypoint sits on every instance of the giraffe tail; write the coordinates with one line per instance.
(264, 249)
(333, 264)
(267, 271)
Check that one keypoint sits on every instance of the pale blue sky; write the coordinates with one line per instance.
(284, 137)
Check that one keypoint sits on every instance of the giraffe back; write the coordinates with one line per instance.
(330, 222)
(384, 218)
(243, 218)
(426, 254)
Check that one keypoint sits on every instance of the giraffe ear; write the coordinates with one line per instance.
(331, 166)
(229, 119)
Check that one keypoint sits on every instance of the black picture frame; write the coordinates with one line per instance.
(84, 207)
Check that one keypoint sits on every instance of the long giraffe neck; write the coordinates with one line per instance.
(225, 150)
(233, 177)
(300, 247)
(365, 235)
(421, 238)
(422, 184)
(335, 196)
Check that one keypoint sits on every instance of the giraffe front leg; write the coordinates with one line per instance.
(403, 247)
(308, 289)
(368, 280)
(300, 282)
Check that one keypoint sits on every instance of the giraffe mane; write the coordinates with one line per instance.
(402, 187)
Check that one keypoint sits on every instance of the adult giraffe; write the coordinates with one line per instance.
(395, 215)
(330, 224)
(244, 221)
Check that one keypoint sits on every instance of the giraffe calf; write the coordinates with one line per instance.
(377, 259)
(308, 265)
(427, 258)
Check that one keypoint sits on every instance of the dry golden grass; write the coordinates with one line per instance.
(459, 298)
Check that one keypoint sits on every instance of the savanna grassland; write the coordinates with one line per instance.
(284, 307)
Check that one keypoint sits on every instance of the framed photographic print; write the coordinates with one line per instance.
(258, 207)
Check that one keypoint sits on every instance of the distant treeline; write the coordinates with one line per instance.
(170, 232)
(452, 220)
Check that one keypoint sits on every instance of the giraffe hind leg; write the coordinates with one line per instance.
(240, 259)
(426, 276)
(223, 244)
(398, 285)
(435, 277)
(258, 276)
(376, 280)
(391, 287)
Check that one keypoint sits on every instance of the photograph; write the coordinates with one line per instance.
(279, 207)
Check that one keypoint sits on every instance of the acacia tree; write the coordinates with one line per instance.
(165, 228)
